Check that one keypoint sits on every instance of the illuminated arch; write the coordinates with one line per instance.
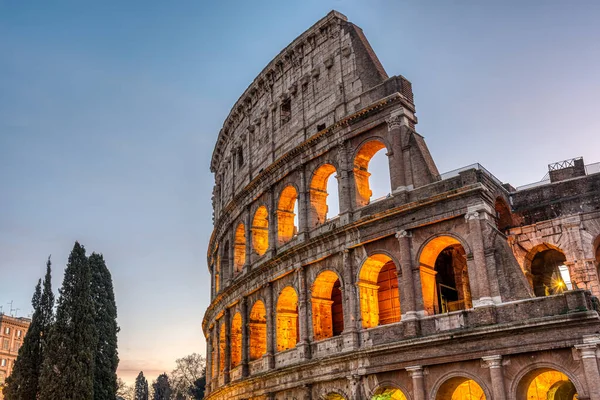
(318, 194)
(388, 393)
(236, 340)
(333, 396)
(222, 345)
(461, 388)
(287, 319)
(378, 291)
(286, 213)
(260, 231)
(548, 273)
(503, 215)
(546, 384)
(361, 170)
(327, 311)
(217, 274)
(239, 249)
(444, 276)
(258, 330)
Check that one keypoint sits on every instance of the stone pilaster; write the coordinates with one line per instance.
(270, 325)
(351, 312)
(303, 205)
(248, 234)
(494, 363)
(356, 387)
(396, 155)
(303, 303)
(227, 321)
(406, 283)
(587, 352)
(209, 360)
(416, 373)
(345, 184)
(245, 336)
(272, 220)
(481, 282)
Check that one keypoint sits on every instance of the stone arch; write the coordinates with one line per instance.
(460, 386)
(363, 156)
(546, 270)
(222, 346)
(444, 274)
(287, 330)
(286, 213)
(260, 230)
(378, 291)
(319, 193)
(333, 394)
(389, 390)
(239, 249)
(327, 307)
(504, 219)
(235, 340)
(523, 381)
(257, 330)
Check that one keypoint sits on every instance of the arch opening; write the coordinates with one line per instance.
(388, 393)
(287, 223)
(378, 291)
(258, 331)
(327, 309)
(236, 340)
(239, 249)
(546, 384)
(503, 215)
(444, 276)
(260, 231)
(548, 273)
(222, 345)
(460, 388)
(334, 396)
(287, 319)
(371, 159)
(322, 185)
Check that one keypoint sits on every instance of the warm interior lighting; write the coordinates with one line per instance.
(327, 312)
(236, 340)
(239, 249)
(361, 171)
(286, 214)
(258, 330)
(222, 345)
(378, 290)
(287, 319)
(444, 276)
(388, 394)
(549, 275)
(334, 396)
(460, 388)
(260, 231)
(319, 193)
(552, 385)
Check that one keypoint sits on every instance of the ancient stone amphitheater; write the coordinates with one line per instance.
(454, 286)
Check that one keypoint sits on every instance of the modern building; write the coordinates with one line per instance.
(12, 334)
(454, 286)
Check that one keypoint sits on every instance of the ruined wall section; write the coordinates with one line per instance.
(314, 82)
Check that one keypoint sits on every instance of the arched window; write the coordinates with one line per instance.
(260, 231)
(460, 388)
(286, 213)
(371, 158)
(378, 290)
(222, 345)
(287, 319)
(258, 331)
(334, 396)
(239, 249)
(503, 215)
(236, 340)
(549, 274)
(543, 384)
(321, 187)
(327, 311)
(388, 393)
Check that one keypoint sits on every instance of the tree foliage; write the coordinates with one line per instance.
(141, 387)
(187, 372)
(23, 384)
(162, 388)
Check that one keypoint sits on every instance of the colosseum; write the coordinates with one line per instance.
(453, 286)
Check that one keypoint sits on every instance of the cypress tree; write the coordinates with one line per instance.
(68, 367)
(141, 387)
(162, 388)
(23, 384)
(106, 359)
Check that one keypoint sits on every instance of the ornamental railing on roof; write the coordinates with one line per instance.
(563, 164)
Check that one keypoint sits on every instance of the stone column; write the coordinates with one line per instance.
(481, 280)
(416, 373)
(245, 336)
(494, 363)
(303, 205)
(271, 329)
(356, 391)
(209, 360)
(345, 184)
(248, 234)
(587, 352)
(351, 316)
(218, 353)
(303, 304)
(272, 220)
(227, 320)
(406, 283)
(395, 154)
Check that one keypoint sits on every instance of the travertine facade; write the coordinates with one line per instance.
(12, 334)
(455, 286)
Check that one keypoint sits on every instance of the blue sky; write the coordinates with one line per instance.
(109, 112)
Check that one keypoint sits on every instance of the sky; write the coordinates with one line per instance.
(109, 112)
